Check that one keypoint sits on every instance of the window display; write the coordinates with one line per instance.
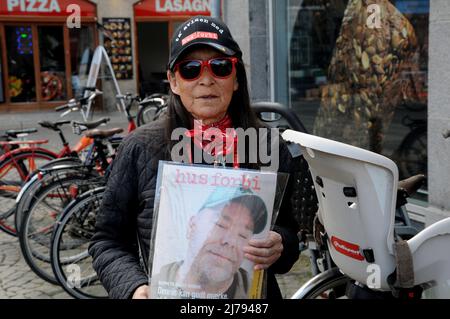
(19, 47)
(360, 84)
(53, 66)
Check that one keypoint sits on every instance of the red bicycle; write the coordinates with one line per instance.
(20, 158)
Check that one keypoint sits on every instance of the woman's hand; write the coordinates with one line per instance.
(141, 292)
(264, 252)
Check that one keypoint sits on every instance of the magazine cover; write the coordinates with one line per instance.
(204, 216)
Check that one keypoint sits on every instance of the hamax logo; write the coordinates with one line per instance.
(346, 248)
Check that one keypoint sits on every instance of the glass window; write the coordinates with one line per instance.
(19, 48)
(361, 78)
(152, 63)
(82, 47)
(53, 66)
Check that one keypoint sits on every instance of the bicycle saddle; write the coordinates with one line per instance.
(53, 125)
(96, 133)
(92, 125)
(15, 133)
(412, 184)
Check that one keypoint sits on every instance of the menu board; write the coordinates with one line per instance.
(118, 46)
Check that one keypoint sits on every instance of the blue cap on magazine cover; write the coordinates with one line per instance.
(254, 203)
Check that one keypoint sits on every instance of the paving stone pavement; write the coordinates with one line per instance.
(17, 280)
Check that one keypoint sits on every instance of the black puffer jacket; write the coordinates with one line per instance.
(127, 209)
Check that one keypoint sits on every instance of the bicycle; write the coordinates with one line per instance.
(69, 247)
(46, 173)
(63, 185)
(411, 155)
(41, 190)
(18, 162)
(23, 202)
(151, 108)
(357, 192)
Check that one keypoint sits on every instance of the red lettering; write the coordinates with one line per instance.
(178, 177)
(246, 183)
(215, 178)
(256, 183)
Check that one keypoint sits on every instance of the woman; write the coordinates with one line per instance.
(208, 86)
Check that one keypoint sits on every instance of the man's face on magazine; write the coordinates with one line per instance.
(218, 235)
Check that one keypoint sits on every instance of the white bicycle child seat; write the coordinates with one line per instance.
(357, 191)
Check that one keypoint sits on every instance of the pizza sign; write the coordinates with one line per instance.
(45, 7)
(33, 5)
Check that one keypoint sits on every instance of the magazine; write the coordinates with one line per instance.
(204, 216)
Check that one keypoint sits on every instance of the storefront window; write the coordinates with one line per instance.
(152, 63)
(19, 48)
(82, 47)
(2, 95)
(361, 78)
(53, 66)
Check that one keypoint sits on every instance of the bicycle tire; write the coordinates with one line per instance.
(60, 247)
(8, 207)
(331, 283)
(35, 244)
(79, 210)
(27, 194)
(412, 153)
(148, 113)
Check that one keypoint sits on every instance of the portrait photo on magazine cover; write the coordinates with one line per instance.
(205, 217)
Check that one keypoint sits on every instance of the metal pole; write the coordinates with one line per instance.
(216, 9)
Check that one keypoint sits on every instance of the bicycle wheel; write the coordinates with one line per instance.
(330, 284)
(14, 171)
(71, 263)
(412, 153)
(148, 113)
(38, 223)
(53, 169)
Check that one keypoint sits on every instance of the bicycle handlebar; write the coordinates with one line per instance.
(128, 97)
(22, 131)
(61, 107)
(89, 88)
(74, 105)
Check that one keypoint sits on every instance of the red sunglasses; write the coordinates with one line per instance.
(221, 68)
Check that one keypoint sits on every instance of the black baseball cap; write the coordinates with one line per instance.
(202, 30)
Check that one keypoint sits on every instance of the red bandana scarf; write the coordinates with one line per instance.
(218, 139)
